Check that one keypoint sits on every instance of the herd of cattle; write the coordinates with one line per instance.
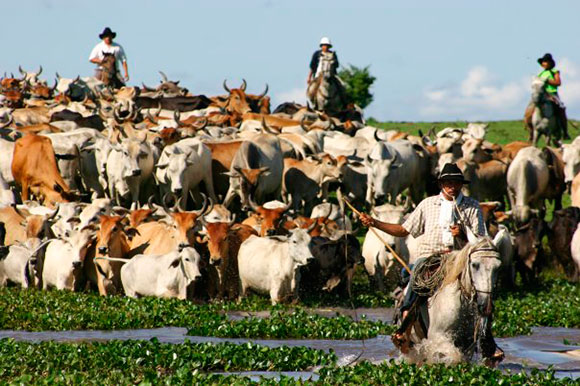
(98, 189)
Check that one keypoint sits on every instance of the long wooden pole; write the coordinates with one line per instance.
(401, 261)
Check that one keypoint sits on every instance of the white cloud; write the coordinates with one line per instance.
(482, 96)
(478, 96)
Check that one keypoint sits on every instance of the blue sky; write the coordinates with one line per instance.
(434, 60)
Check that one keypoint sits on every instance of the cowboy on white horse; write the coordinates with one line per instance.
(446, 222)
(323, 53)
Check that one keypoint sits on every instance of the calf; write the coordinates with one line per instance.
(529, 252)
(166, 276)
(19, 265)
(560, 232)
(268, 219)
(333, 265)
(268, 264)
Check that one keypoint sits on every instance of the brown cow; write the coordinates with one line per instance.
(238, 102)
(267, 218)
(508, 152)
(222, 155)
(271, 120)
(223, 241)
(111, 241)
(160, 237)
(34, 169)
(21, 225)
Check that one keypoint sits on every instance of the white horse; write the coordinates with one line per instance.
(457, 318)
(326, 89)
(540, 116)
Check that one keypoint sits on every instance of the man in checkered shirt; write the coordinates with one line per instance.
(442, 228)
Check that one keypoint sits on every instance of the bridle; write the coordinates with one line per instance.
(488, 253)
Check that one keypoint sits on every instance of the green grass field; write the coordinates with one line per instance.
(500, 132)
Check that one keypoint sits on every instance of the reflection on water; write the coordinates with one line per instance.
(543, 348)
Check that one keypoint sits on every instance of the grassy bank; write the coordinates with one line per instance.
(500, 132)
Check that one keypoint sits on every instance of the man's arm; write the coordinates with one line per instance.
(396, 230)
(126, 70)
(556, 81)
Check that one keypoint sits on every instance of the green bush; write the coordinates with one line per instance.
(358, 84)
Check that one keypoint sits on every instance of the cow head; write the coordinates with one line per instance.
(136, 156)
(245, 181)
(72, 89)
(112, 235)
(528, 242)
(571, 157)
(172, 168)
(299, 246)
(329, 168)
(380, 164)
(13, 98)
(218, 240)
(238, 102)
(269, 217)
(187, 263)
(32, 77)
(184, 223)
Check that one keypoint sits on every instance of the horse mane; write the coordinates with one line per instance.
(457, 262)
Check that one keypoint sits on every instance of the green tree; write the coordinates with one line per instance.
(358, 83)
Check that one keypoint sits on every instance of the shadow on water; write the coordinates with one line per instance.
(544, 348)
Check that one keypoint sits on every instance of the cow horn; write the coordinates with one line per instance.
(201, 212)
(265, 92)
(176, 116)
(57, 76)
(150, 117)
(253, 205)
(148, 88)
(77, 79)
(39, 70)
(266, 128)
(150, 203)
(244, 85)
(164, 76)
(22, 71)
(302, 123)
(311, 226)
(55, 84)
(164, 201)
(376, 135)
(226, 86)
(239, 170)
(233, 220)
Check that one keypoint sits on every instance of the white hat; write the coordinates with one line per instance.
(325, 41)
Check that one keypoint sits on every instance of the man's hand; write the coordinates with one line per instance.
(455, 230)
(367, 220)
(126, 78)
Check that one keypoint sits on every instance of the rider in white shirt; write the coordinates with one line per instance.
(108, 47)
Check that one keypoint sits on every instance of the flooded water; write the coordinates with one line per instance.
(540, 350)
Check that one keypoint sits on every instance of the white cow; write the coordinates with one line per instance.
(575, 249)
(6, 154)
(63, 261)
(380, 263)
(183, 165)
(393, 167)
(256, 170)
(6, 195)
(527, 177)
(129, 168)
(19, 266)
(166, 276)
(269, 264)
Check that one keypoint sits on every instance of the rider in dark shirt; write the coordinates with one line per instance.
(325, 46)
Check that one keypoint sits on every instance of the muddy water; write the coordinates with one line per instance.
(541, 349)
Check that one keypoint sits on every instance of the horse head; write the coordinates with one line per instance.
(481, 271)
